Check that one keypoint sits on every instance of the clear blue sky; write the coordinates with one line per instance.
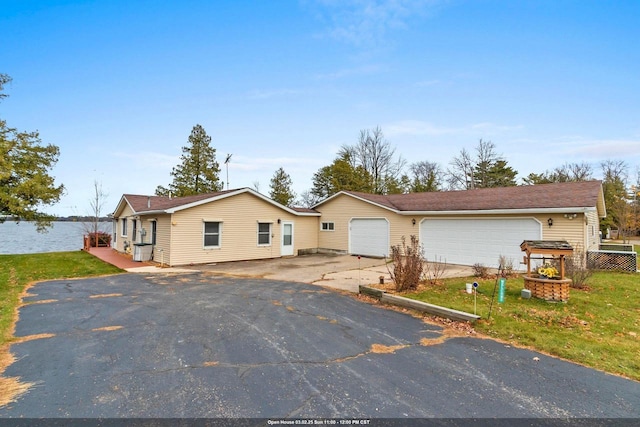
(119, 84)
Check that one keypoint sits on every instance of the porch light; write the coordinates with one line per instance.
(413, 221)
(550, 222)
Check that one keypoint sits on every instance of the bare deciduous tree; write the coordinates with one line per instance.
(568, 172)
(96, 206)
(307, 199)
(375, 154)
(460, 175)
(426, 176)
(487, 169)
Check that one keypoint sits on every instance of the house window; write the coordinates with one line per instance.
(135, 230)
(327, 226)
(123, 231)
(264, 233)
(212, 234)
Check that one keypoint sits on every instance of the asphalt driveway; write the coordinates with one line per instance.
(202, 345)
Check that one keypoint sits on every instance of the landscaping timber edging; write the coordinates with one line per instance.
(419, 305)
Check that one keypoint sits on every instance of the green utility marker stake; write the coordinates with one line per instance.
(501, 288)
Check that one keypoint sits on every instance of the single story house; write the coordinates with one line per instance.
(464, 227)
(228, 225)
(459, 227)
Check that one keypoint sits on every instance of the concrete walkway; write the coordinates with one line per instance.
(342, 272)
(126, 262)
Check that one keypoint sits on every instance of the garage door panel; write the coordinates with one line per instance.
(369, 237)
(471, 241)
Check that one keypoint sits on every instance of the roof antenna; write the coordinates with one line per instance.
(226, 162)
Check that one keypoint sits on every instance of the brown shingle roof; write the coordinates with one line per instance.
(558, 195)
(140, 203)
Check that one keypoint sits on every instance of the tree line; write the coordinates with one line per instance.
(370, 165)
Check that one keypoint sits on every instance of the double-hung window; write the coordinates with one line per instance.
(264, 233)
(123, 227)
(212, 233)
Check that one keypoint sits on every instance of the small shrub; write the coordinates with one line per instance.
(506, 266)
(480, 270)
(576, 269)
(435, 270)
(408, 264)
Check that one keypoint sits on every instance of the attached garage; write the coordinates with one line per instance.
(464, 227)
(369, 237)
(477, 240)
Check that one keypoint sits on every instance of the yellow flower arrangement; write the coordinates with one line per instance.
(548, 270)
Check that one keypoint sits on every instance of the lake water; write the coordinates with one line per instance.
(22, 238)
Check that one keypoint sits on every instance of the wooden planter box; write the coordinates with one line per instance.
(548, 289)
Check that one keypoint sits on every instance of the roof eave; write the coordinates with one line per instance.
(235, 193)
(528, 211)
(358, 198)
(154, 212)
(123, 199)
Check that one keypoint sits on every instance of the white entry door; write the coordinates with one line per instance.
(287, 239)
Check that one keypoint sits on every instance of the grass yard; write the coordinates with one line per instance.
(598, 327)
(18, 271)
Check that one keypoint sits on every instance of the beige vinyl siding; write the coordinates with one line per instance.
(144, 223)
(593, 230)
(305, 230)
(571, 230)
(342, 209)
(239, 216)
(128, 214)
(161, 250)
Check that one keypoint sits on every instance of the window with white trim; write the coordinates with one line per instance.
(123, 227)
(212, 232)
(264, 233)
(327, 226)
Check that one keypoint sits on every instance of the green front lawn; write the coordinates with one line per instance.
(18, 271)
(597, 327)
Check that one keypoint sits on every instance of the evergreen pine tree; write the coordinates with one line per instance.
(280, 188)
(198, 171)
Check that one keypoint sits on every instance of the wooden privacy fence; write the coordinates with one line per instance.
(612, 260)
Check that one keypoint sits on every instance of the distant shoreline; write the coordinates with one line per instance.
(60, 219)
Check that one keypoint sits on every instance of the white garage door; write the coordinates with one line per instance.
(369, 236)
(471, 241)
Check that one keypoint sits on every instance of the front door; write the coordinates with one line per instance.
(287, 239)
